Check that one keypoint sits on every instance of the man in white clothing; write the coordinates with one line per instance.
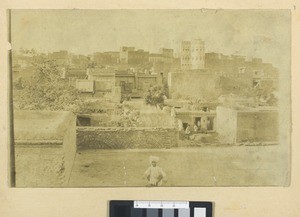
(155, 174)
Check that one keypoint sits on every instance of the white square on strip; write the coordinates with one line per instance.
(183, 212)
(199, 212)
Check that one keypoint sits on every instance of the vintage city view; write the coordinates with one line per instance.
(119, 98)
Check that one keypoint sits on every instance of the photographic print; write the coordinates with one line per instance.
(156, 98)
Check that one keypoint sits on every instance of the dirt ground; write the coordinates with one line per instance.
(199, 166)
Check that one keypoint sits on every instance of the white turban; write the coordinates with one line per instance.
(153, 158)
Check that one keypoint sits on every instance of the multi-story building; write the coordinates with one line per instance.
(168, 55)
(108, 81)
(156, 58)
(106, 58)
(167, 52)
(165, 56)
(129, 55)
(72, 74)
(61, 57)
(185, 55)
(192, 54)
(124, 53)
(114, 56)
(162, 62)
(79, 61)
(236, 73)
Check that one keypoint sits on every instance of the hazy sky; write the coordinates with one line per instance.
(252, 33)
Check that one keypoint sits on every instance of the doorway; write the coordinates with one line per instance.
(185, 125)
(198, 122)
(210, 123)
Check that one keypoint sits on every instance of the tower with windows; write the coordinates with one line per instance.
(192, 54)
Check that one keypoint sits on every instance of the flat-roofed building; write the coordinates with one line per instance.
(242, 124)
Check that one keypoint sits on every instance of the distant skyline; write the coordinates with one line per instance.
(252, 33)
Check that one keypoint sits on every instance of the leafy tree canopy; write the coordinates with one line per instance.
(155, 95)
(47, 90)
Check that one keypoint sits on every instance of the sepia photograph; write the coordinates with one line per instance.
(150, 98)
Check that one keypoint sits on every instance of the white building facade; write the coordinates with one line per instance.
(192, 54)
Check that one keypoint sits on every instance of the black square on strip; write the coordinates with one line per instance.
(198, 205)
(120, 208)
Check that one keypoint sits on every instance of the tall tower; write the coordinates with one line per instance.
(192, 54)
(185, 55)
(197, 54)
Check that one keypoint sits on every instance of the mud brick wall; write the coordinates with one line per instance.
(257, 126)
(121, 138)
(39, 164)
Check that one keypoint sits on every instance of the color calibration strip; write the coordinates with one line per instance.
(160, 209)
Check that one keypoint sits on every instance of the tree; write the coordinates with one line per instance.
(25, 51)
(155, 96)
(47, 90)
(266, 96)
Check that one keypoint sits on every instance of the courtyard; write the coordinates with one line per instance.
(199, 166)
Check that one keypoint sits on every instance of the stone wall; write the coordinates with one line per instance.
(121, 138)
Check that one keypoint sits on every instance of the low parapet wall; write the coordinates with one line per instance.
(122, 138)
(39, 163)
(45, 148)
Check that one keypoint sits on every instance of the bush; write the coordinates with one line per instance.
(155, 96)
(46, 90)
